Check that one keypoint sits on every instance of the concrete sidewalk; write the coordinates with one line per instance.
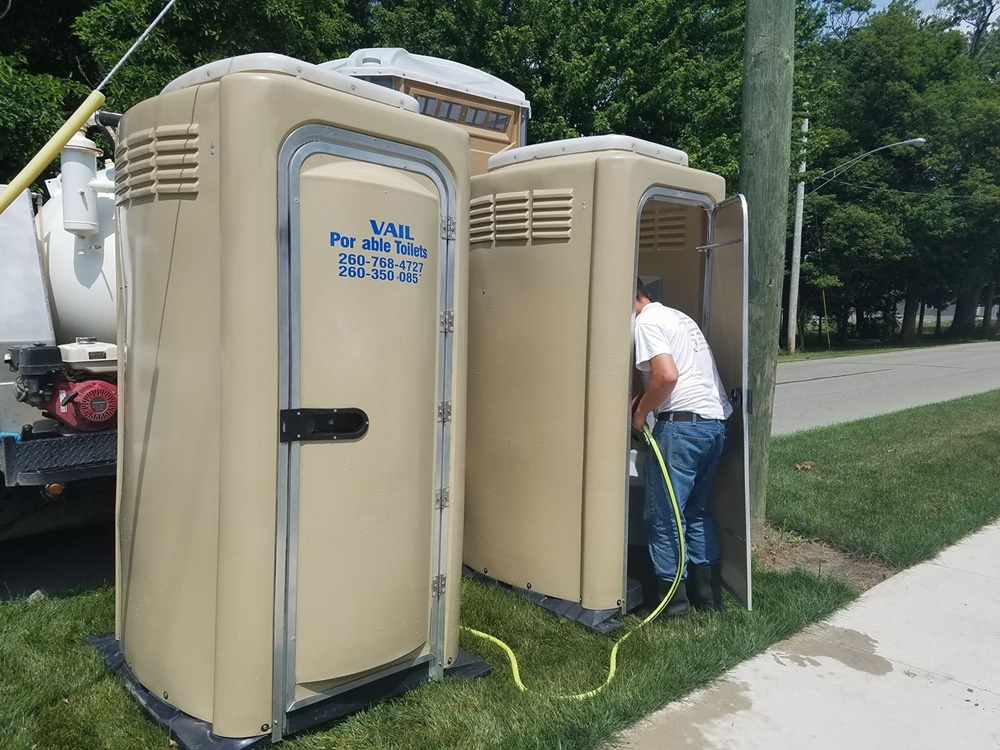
(913, 664)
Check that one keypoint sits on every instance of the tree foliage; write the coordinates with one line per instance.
(905, 223)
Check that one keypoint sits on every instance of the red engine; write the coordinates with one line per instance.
(87, 406)
(81, 397)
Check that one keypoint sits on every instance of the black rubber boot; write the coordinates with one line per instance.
(678, 607)
(705, 587)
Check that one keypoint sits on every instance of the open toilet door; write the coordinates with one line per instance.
(726, 326)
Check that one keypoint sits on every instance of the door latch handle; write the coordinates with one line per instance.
(300, 425)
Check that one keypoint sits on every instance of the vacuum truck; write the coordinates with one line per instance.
(58, 389)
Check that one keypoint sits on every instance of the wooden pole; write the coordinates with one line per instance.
(764, 180)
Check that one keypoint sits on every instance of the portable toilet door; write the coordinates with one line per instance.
(365, 395)
(720, 306)
(726, 325)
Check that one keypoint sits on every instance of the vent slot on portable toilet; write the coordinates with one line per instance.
(481, 220)
(537, 216)
(158, 161)
(551, 214)
(662, 227)
(511, 216)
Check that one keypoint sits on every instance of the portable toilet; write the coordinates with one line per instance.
(291, 454)
(558, 234)
(493, 113)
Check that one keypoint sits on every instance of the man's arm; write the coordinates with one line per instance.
(662, 381)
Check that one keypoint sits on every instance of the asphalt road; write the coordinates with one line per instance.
(814, 393)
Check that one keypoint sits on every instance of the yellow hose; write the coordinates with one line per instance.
(613, 667)
(51, 149)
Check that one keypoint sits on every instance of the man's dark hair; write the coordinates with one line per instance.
(640, 290)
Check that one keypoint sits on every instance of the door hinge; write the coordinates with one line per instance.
(438, 585)
(447, 227)
(441, 499)
(444, 411)
(447, 321)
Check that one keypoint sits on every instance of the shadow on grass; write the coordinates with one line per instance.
(59, 562)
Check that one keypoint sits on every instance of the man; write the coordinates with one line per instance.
(683, 389)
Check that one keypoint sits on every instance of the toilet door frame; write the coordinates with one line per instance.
(706, 203)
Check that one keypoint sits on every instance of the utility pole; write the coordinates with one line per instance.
(800, 198)
(765, 155)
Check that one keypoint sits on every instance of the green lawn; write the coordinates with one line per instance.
(898, 487)
(55, 693)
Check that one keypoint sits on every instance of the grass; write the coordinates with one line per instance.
(854, 347)
(56, 694)
(899, 487)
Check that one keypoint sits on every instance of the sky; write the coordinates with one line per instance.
(924, 6)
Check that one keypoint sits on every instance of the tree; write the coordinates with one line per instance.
(32, 108)
(664, 71)
(897, 76)
(50, 60)
(200, 31)
(979, 15)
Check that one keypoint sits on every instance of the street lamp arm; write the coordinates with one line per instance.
(851, 162)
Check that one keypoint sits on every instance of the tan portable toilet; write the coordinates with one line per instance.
(558, 233)
(493, 113)
(291, 454)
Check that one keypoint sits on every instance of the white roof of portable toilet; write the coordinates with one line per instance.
(396, 61)
(586, 145)
(267, 62)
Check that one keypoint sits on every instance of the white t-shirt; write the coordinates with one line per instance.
(699, 389)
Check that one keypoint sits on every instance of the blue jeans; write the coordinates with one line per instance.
(691, 451)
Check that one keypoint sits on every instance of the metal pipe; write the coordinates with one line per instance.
(793, 287)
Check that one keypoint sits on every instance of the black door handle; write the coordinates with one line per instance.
(300, 425)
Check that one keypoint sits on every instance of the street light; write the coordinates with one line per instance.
(850, 163)
(800, 195)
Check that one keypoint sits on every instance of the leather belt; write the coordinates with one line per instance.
(678, 416)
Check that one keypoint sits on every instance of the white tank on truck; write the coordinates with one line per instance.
(76, 227)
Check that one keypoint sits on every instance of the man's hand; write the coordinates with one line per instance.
(638, 419)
